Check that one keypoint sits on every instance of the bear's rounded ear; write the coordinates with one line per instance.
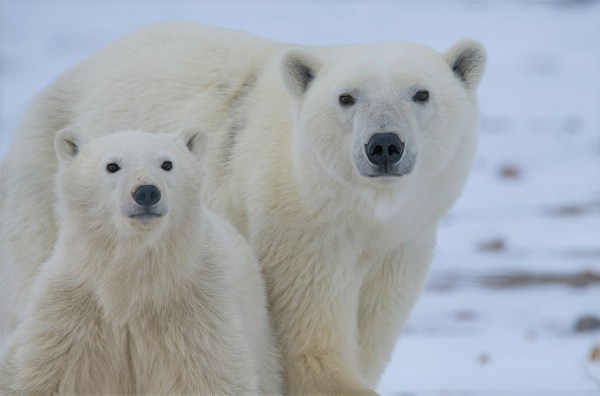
(194, 139)
(298, 69)
(67, 143)
(467, 59)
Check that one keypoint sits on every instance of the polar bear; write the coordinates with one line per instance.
(336, 163)
(146, 291)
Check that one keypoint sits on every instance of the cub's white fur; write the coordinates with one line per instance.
(163, 298)
(344, 245)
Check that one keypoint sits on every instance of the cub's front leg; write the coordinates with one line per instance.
(196, 347)
(60, 347)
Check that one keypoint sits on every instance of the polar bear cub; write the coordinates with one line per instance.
(146, 292)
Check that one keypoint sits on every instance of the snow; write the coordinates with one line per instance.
(532, 205)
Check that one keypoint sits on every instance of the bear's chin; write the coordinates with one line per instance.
(144, 221)
(383, 179)
(145, 217)
(384, 182)
(139, 215)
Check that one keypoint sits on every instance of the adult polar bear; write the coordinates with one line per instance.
(335, 163)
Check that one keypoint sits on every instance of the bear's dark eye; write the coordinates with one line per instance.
(167, 165)
(112, 167)
(421, 96)
(346, 100)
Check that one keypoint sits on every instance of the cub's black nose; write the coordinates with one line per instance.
(384, 150)
(146, 195)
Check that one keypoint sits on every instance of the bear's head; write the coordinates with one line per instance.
(128, 183)
(379, 116)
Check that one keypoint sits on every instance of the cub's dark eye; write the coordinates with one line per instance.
(167, 165)
(112, 167)
(346, 100)
(421, 96)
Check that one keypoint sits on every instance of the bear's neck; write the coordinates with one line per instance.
(136, 274)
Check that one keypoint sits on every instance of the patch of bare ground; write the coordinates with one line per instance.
(595, 354)
(524, 279)
(587, 323)
(573, 209)
(493, 245)
(587, 254)
(515, 280)
(510, 172)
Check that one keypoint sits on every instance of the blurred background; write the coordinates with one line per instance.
(512, 306)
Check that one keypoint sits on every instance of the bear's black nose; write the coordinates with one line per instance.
(384, 150)
(146, 195)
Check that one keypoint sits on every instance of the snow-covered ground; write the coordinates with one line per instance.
(518, 259)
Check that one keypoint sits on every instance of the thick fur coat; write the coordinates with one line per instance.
(344, 227)
(141, 297)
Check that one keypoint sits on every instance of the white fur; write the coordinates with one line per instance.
(127, 305)
(344, 255)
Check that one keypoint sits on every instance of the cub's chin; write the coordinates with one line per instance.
(142, 217)
(145, 218)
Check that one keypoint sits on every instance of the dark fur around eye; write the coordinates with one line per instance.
(421, 96)
(112, 167)
(346, 100)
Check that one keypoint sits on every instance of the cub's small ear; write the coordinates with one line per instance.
(298, 70)
(67, 144)
(467, 59)
(194, 139)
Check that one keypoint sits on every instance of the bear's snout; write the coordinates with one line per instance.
(384, 150)
(148, 203)
(146, 195)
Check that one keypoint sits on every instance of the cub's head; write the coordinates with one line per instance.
(129, 183)
(381, 115)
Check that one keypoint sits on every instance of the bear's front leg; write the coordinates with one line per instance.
(323, 372)
(388, 293)
(194, 346)
(63, 346)
(314, 298)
